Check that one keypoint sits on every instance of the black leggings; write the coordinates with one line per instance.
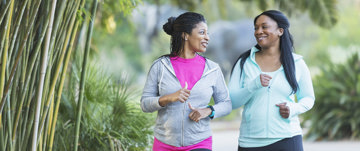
(287, 144)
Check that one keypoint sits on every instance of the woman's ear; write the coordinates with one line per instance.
(185, 36)
(281, 31)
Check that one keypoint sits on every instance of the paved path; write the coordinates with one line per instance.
(225, 135)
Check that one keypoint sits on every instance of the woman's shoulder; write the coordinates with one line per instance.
(299, 61)
(297, 57)
(157, 62)
(211, 63)
(160, 59)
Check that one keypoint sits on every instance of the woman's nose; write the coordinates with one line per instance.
(258, 31)
(207, 37)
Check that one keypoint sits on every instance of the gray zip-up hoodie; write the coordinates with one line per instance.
(173, 125)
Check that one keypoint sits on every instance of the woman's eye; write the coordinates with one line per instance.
(202, 32)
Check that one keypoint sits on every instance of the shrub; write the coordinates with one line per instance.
(336, 112)
(111, 119)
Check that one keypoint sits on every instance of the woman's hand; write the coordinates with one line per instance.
(198, 114)
(284, 110)
(181, 95)
(265, 80)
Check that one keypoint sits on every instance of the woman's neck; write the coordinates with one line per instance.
(188, 54)
(268, 59)
(271, 52)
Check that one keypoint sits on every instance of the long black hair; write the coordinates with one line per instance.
(176, 27)
(286, 48)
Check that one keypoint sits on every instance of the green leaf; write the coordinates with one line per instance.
(323, 12)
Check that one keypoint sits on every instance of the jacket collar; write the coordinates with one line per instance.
(254, 50)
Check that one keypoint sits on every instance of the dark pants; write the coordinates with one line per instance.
(287, 144)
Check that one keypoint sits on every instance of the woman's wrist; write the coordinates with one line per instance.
(208, 111)
(163, 100)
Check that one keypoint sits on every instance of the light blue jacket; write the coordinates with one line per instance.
(173, 125)
(261, 117)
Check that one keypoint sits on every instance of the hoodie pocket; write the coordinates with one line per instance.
(168, 120)
(198, 127)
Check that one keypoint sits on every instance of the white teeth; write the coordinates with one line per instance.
(261, 38)
(204, 44)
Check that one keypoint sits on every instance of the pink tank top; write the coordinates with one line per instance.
(188, 70)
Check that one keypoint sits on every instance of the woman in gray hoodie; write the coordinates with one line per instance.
(180, 85)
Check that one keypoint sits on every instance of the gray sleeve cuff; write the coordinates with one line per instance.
(151, 104)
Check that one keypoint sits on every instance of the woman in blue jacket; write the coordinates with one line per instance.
(274, 85)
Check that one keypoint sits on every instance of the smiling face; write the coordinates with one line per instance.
(267, 32)
(197, 40)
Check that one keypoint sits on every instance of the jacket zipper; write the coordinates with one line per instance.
(267, 115)
(183, 118)
(182, 124)
(268, 102)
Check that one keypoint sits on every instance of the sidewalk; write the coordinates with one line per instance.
(225, 136)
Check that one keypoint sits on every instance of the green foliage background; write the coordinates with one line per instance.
(336, 113)
(111, 117)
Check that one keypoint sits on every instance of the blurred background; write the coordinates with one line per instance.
(127, 36)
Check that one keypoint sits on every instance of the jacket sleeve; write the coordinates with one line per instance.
(150, 96)
(241, 92)
(305, 93)
(221, 97)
